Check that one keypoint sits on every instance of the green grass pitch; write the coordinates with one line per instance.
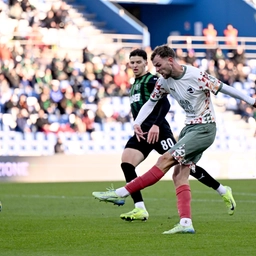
(64, 219)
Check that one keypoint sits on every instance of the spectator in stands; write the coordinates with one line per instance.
(239, 55)
(22, 102)
(13, 78)
(76, 123)
(11, 103)
(76, 81)
(67, 100)
(45, 98)
(231, 34)
(240, 75)
(88, 118)
(42, 123)
(191, 58)
(59, 19)
(56, 95)
(180, 56)
(223, 73)
(212, 69)
(59, 147)
(5, 52)
(121, 79)
(87, 55)
(100, 115)
(78, 101)
(16, 11)
(210, 34)
(58, 70)
(22, 121)
(218, 55)
(49, 20)
(27, 69)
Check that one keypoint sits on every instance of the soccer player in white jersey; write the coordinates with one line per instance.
(191, 88)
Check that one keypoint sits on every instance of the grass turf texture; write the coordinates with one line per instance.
(64, 219)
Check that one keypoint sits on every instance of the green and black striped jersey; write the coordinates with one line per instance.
(139, 95)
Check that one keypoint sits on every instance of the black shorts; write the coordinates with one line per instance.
(165, 142)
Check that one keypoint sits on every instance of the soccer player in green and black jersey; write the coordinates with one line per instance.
(157, 129)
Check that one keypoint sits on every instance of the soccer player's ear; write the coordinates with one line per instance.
(170, 60)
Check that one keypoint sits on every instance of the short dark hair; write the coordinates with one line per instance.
(140, 53)
(163, 51)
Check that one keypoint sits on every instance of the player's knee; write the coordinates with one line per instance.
(165, 162)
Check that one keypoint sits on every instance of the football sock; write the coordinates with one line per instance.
(130, 174)
(122, 192)
(147, 179)
(221, 189)
(204, 177)
(185, 222)
(183, 195)
(140, 205)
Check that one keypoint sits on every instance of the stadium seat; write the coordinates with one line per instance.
(97, 126)
(40, 136)
(113, 126)
(29, 136)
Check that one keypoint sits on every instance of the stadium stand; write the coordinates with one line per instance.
(48, 92)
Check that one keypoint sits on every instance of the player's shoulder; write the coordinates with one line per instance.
(192, 71)
(152, 76)
(151, 79)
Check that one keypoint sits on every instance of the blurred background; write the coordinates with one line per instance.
(64, 82)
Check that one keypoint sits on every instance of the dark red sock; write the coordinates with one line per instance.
(147, 179)
(183, 195)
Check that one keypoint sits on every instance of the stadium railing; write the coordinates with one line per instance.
(198, 44)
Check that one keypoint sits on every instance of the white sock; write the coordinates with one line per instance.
(185, 222)
(123, 192)
(140, 205)
(221, 190)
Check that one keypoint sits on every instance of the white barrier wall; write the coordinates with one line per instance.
(106, 167)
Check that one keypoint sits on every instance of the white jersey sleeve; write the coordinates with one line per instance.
(144, 112)
(159, 91)
(210, 83)
(231, 91)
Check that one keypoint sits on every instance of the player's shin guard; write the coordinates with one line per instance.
(204, 177)
(130, 174)
(183, 195)
(147, 179)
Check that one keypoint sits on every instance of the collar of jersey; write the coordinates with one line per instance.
(183, 73)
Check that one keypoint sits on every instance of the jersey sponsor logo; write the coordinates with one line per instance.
(190, 90)
(135, 98)
(187, 106)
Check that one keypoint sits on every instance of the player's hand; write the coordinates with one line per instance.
(153, 134)
(139, 133)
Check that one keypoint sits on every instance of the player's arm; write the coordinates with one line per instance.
(231, 91)
(164, 109)
(143, 114)
(153, 134)
(211, 83)
(158, 93)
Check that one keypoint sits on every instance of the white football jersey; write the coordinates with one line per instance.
(192, 91)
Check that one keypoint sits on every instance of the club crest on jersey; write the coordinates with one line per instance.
(190, 90)
(137, 86)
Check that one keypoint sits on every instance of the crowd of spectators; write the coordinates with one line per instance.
(40, 90)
